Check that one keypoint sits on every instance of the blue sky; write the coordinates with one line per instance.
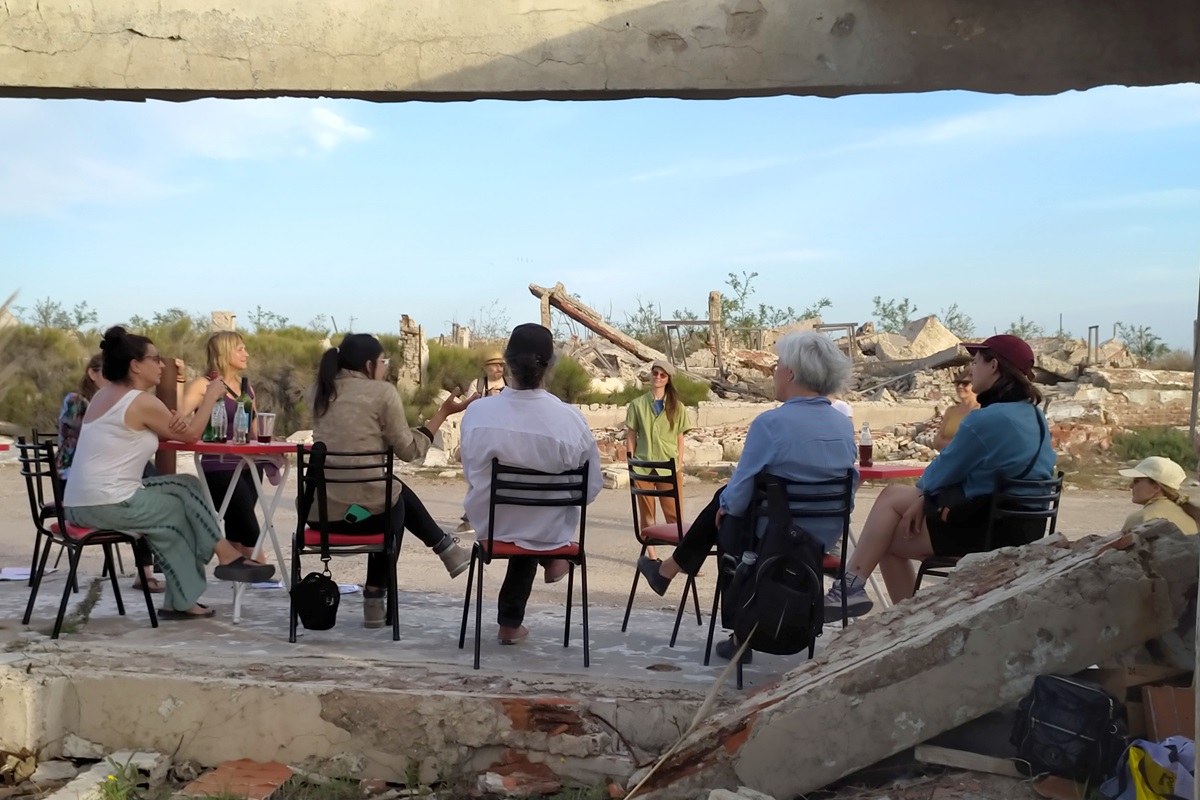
(1084, 204)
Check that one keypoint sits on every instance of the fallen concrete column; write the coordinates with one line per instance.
(558, 298)
(958, 650)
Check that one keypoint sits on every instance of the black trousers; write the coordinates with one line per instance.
(698, 542)
(241, 523)
(514, 592)
(409, 513)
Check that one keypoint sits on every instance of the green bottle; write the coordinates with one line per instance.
(246, 403)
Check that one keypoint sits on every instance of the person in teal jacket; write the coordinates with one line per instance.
(1006, 437)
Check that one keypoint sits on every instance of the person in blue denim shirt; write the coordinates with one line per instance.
(806, 440)
(1006, 437)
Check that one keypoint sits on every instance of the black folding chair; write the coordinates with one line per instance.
(37, 466)
(517, 486)
(319, 467)
(831, 499)
(663, 534)
(1013, 499)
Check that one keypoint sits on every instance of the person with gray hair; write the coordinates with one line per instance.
(803, 440)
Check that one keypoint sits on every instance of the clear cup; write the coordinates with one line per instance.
(266, 427)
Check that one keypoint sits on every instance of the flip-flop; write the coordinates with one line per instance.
(170, 613)
(242, 571)
(156, 587)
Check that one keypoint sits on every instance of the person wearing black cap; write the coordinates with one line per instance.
(1006, 437)
(525, 426)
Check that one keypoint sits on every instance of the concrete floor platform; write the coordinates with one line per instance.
(211, 690)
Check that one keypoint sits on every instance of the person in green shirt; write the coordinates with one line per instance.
(654, 427)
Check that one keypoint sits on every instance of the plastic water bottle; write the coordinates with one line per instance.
(220, 423)
(241, 426)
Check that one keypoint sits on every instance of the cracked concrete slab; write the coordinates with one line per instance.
(586, 49)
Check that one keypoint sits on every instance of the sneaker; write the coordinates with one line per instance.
(728, 648)
(512, 635)
(465, 527)
(456, 558)
(374, 611)
(857, 601)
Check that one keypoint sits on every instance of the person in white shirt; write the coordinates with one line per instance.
(525, 426)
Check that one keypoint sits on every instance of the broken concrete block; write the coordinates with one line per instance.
(54, 772)
(616, 478)
(435, 457)
(703, 453)
(1125, 379)
(959, 649)
(927, 336)
(75, 747)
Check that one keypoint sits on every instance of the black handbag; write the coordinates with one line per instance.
(1069, 727)
(317, 598)
(969, 509)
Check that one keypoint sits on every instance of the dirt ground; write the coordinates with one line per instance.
(611, 547)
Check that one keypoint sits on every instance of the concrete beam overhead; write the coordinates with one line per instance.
(586, 49)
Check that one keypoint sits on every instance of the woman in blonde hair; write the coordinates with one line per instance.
(227, 360)
(1156, 488)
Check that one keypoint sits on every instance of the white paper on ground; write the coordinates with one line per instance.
(348, 588)
(268, 585)
(20, 573)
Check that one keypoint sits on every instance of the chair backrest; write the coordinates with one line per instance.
(42, 437)
(654, 485)
(831, 499)
(318, 466)
(42, 482)
(518, 486)
(1016, 498)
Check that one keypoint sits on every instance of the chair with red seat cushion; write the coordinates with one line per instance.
(660, 484)
(517, 486)
(38, 468)
(317, 467)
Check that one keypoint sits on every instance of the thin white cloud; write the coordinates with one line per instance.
(1153, 200)
(254, 129)
(706, 169)
(1107, 109)
(129, 153)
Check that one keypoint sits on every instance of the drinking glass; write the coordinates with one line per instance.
(266, 427)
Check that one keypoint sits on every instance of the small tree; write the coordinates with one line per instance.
(892, 316)
(490, 322)
(1024, 328)
(263, 320)
(957, 322)
(1141, 342)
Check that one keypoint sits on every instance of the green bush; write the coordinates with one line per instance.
(283, 367)
(1142, 443)
(569, 381)
(1179, 360)
(49, 363)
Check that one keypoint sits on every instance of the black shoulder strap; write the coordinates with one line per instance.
(1037, 451)
(779, 512)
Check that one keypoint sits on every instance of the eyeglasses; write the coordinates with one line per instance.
(657, 374)
(152, 357)
(962, 383)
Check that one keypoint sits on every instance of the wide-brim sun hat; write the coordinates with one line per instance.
(1162, 471)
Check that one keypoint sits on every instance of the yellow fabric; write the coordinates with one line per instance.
(1161, 508)
(657, 438)
(1150, 780)
(954, 417)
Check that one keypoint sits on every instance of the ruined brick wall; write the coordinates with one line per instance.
(413, 356)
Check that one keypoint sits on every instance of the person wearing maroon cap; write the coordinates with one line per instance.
(1007, 437)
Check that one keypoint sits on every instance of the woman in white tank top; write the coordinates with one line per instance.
(120, 433)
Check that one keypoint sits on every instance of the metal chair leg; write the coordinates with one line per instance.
(696, 600)
(683, 598)
(37, 580)
(478, 610)
(632, 592)
(297, 547)
(587, 652)
(462, 633)
(73, 560)
(37, 551)
(112, 576)
(712, 621)
(570, 597)
(149, 599)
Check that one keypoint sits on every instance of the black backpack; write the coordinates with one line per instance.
(775, 597)
(1069, 727)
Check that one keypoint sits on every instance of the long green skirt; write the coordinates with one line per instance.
(170, 512)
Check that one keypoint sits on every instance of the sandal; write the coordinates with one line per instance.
(170, 613)
(242, 571)
(156, 586)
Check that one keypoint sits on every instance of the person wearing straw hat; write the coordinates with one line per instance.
(492, 381)
(1155, 486)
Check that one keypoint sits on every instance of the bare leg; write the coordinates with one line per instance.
(882, 545)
